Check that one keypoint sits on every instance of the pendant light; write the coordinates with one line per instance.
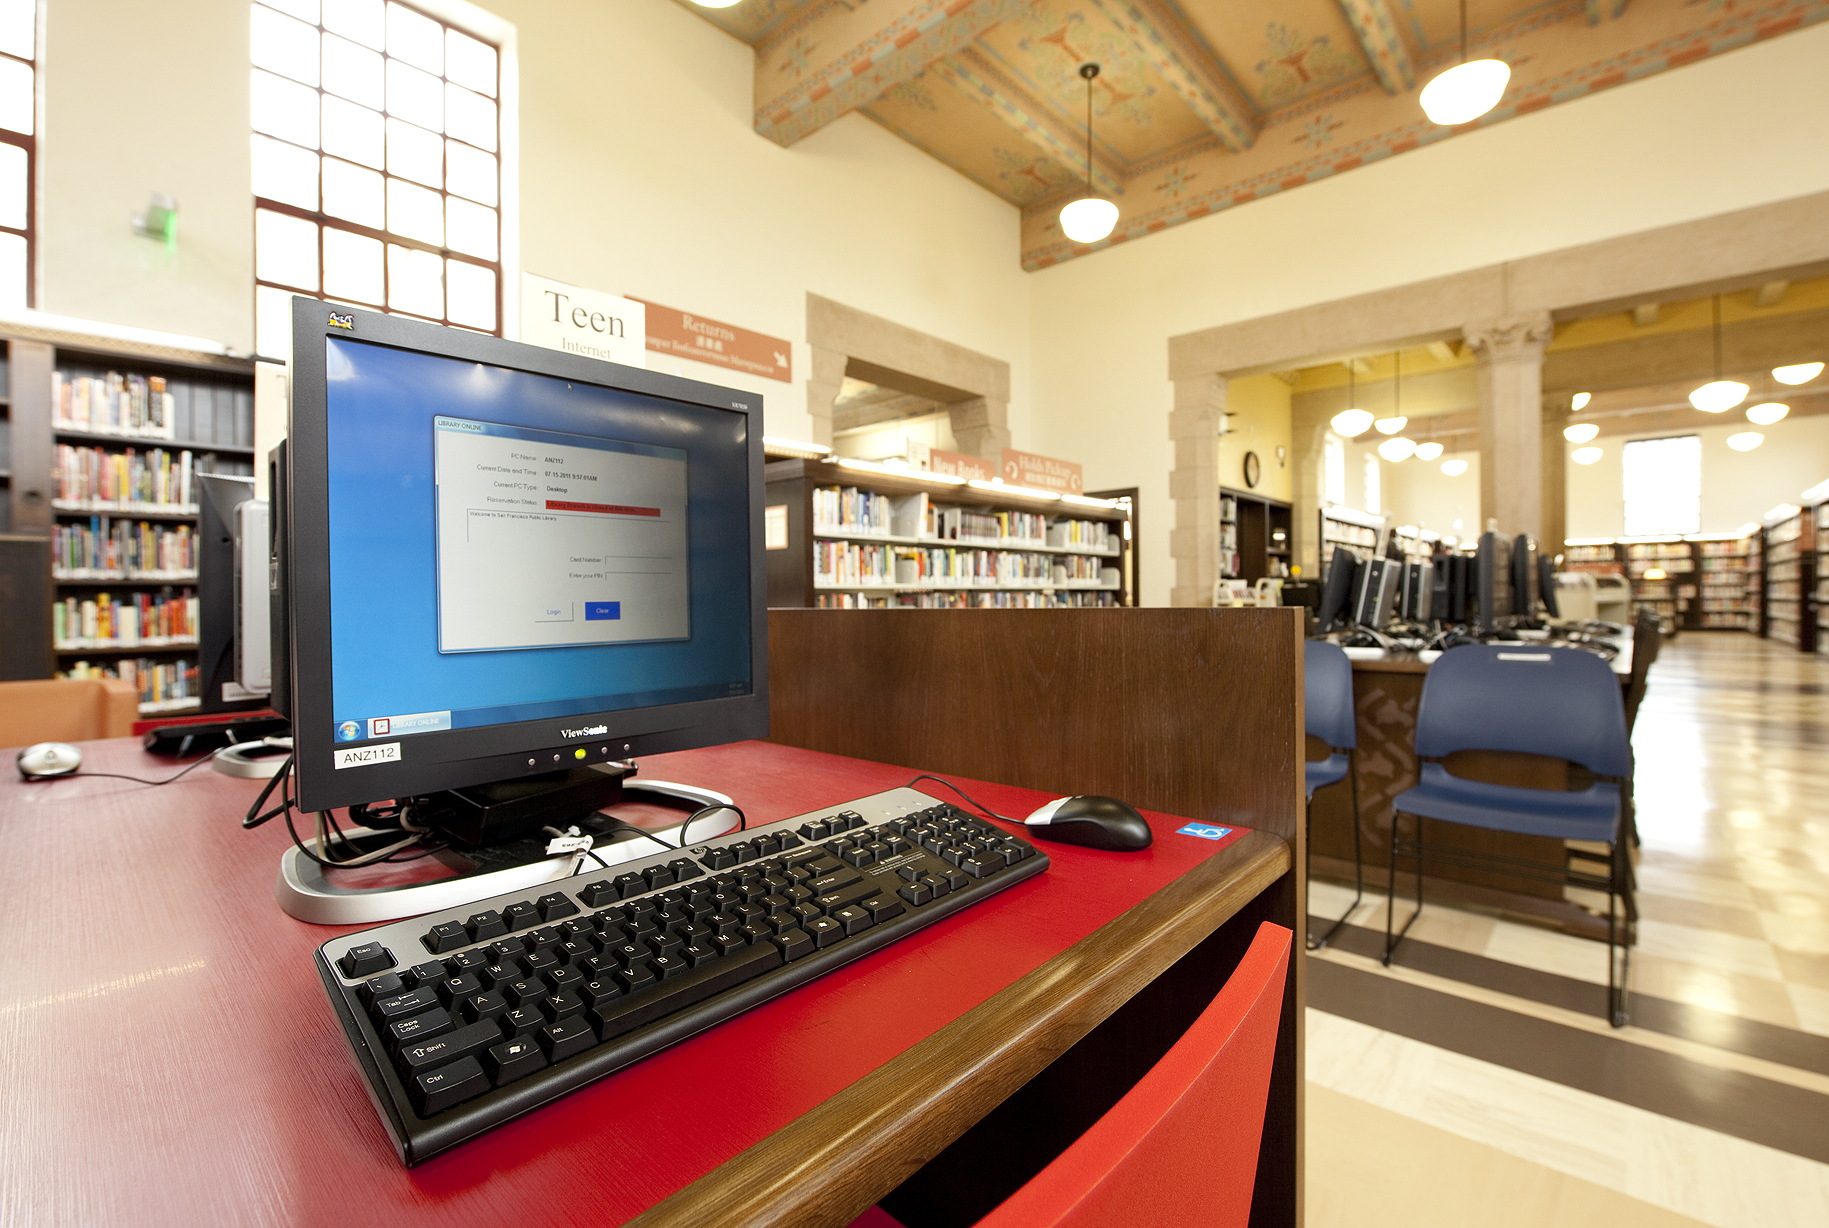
(1351, 422)
(1429, 450)
(1091, 217)
(1469, 89)
(1397, 448)
(1745, 441)
(1800, 373)
(1454, 468)
(1768, 413)
(1397, 421)
(1719, 395)
(1580, 432)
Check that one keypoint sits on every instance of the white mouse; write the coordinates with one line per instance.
(48, 759)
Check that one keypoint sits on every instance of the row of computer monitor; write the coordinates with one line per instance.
(1504, 582)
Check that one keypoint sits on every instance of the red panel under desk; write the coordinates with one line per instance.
(171, 1057)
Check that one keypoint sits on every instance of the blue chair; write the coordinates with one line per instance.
(1327, 707)
(1558, 702)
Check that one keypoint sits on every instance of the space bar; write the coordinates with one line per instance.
(625, 1014)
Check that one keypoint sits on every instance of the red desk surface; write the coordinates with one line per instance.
(169, 1055)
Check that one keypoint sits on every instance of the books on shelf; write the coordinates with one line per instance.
(165, 619)
(165, 686)
(959, 600)
(134, 406)
(108, 549)
(96, 479)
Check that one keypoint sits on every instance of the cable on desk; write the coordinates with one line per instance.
(701, 812)
(141, 779)
(962, 793)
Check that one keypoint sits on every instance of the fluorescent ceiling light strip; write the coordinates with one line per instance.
(117, 332)
(1817, 492)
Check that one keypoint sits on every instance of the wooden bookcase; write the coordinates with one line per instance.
(1254, 535)
(1790, 580)
(101, 439)
(853, 537)
(1708, 583)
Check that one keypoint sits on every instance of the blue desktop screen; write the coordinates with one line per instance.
(507, 546)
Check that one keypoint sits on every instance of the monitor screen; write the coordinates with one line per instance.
(505, 560)
(1338, 589)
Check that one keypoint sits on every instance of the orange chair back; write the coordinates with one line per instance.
(1181, 1147)
(66, 710)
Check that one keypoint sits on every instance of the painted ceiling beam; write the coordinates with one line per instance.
(1600, 10)
(1390, 60)
(1032, 118)
(1165, 41)
(831, 59)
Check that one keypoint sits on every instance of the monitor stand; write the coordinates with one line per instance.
(304, 892)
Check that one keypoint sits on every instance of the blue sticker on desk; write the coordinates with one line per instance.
(1206, 831)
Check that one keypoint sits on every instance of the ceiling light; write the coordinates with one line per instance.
(1090, 218)
(1469, 89)
(1745, 441)
(1718, 395)
(1580, 432)
(1428, 451)
(714, 4)
(1352, 422)
(1454, 468)
(1390, 426)
(1397, 448)
(1580, 401)
(1585, 456)
(1802, 373)
(1768, 413)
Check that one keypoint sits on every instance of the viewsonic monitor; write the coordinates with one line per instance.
(1338, 590)
(1493, 583)
(501, 565)
(1524, 586)
(1546, 585)
(220, 499)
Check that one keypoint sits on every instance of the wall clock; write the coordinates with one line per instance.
(1253, 470)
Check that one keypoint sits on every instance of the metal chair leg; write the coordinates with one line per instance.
(1390, 913)
(1358, 861)
(1619, 964)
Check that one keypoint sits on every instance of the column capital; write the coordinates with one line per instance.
(1522, 335)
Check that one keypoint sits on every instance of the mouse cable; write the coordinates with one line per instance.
(141, 779)
(962, 793)
(701, 812)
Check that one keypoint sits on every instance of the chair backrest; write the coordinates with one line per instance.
(1647, 638)
(1560, 702)
(1327, 694)
(1181, 1146)
(66, 710)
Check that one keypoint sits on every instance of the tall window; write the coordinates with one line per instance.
(377, 177)
(1374, 492)
(1663, 485)
(18, 148)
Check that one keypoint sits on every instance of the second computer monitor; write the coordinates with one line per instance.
(1524, 586)
(1338, 590)
(1546, 585)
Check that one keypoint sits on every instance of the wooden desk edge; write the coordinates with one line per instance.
(826, 1167)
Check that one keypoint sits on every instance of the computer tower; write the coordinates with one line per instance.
(1459, 573)
(1419, 591)
(1440, 579)
(1377, 592)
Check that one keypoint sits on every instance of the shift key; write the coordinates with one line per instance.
(465, 1042)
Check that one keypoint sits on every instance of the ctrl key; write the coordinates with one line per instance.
(437, 1090)
(514, 1059)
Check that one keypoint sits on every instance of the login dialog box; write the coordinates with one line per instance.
(547, 540)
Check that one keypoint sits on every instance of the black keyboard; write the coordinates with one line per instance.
(465, 1019)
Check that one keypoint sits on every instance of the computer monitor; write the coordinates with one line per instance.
(1524, 587)
(498, 565)
(1492, 587)
(1338, 589)
(220, 499)
(1546, 585)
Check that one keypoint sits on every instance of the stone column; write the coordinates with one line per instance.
(1200, 408)
(1509, 351)
(1307, 489)
(824, 383)
(981, 427)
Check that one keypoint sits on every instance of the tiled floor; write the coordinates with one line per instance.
(1733, 803)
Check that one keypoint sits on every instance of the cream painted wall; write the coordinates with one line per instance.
(1613, 164)
(1736, 486)
(1418, 492)
(1259, 405)
(640, 175)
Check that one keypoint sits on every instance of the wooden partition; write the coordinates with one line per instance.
(1195, 712)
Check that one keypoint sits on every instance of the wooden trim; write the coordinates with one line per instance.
(827, 1167)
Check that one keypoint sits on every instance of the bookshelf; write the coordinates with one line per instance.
(1755, 582)
(1694, 583)
(1254, 533)
(1342, 526)
(847, 535)
(1821, 512)
(1727, 600)
(1790, 567)
(106, 441)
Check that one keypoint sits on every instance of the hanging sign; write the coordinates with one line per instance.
(580, 321)
(959, 465)
(1041, 472)
(680, 334)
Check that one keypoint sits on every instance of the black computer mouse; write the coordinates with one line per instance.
(1092, 822)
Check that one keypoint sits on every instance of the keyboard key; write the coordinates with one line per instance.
(841, 877)
(726, 943)
(454, 987)
(916, 893)
(668, 966)
(982, 865)
(627, 1014)
(825, 930)
(486, 925)
(513, 1059)
(437, 1090)
(818, 830)
(756, 930)
(522, 1020)
(683, 869)
(539, 962)
(384, 986)
(555, 905)
(596, 895)
(445, 936)
(403, 1004)
(480, 1006)
(566, 1038)
(419, 1027)
(696, 953)
(855, 920)
(525, 992)
(636, 979)
(521, 915)
(630, 884)
(559, 1006)
(562, 979)
(593, 993)
(441, 1050)
(657, 876)
(719, 859)
(366, 959)
(544, 939)
(881, 908)
(832, 901)
(467, 961)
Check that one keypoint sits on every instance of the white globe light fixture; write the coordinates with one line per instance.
(1718, 395)
(1468, 90)
(1454, 468)
(1580, 432)
(1397, 448)
(1768, 413)
(1390, 426)
(1352, 422)
(714, 4)
(1428, 451)
(1745, 441)
(1585, 456)
(1801, 373)
(1091, 217)
(1580, 401)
